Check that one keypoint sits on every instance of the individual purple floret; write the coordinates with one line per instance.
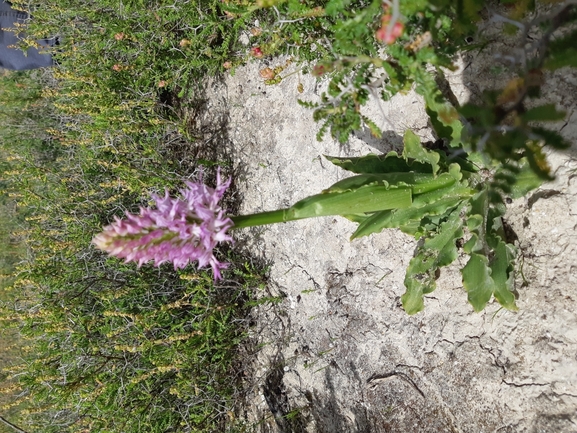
(179, 231)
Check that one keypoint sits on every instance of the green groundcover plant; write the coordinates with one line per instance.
(115, 348)
(106, 347)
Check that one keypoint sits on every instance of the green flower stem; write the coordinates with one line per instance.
(366, 199)
(259, 219)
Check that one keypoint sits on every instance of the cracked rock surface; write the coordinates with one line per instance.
(339, 353)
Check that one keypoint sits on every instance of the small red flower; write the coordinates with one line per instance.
(322, 68)
(256, 52)
(319, 70)
(388, 37)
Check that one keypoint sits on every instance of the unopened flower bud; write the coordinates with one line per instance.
(267, 73)
(256, 31)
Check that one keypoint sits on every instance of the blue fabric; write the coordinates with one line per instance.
(12, 57)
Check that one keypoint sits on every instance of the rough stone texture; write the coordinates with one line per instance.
(340, 354)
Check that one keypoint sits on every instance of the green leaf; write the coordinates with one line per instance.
(374, 223)
(412, 299)
(474, 221)
(425, 186)
(359, 217)
(484, 277)
(477, 281)
(455, 190)
(414, 150)
(371, 198)
(502, 275)
(552, 138)
(526, 180)
(378, 164)
(444, 241)
(562, 52)
(419, 182)
(472, 244)
(411, 228)
(479, 205)
(455, 171)
(444, 117)
(444, 200)
(438, 250)
(355, 182)
(547, 112)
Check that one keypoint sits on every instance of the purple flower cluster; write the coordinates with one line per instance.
(179, 230)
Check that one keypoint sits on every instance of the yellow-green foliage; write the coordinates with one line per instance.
(117, 61)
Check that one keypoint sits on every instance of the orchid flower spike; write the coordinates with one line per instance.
(180, 231)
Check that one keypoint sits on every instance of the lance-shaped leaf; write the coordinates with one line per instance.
(444, 117)
(477, 281)
(370, 198)
(433, 203)
(476, 222)
(476, 273)
(378, 164)
(417, 283)
(489, 271)
(359, 217)
(419, 183)
(502, 275)
(437, 251)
